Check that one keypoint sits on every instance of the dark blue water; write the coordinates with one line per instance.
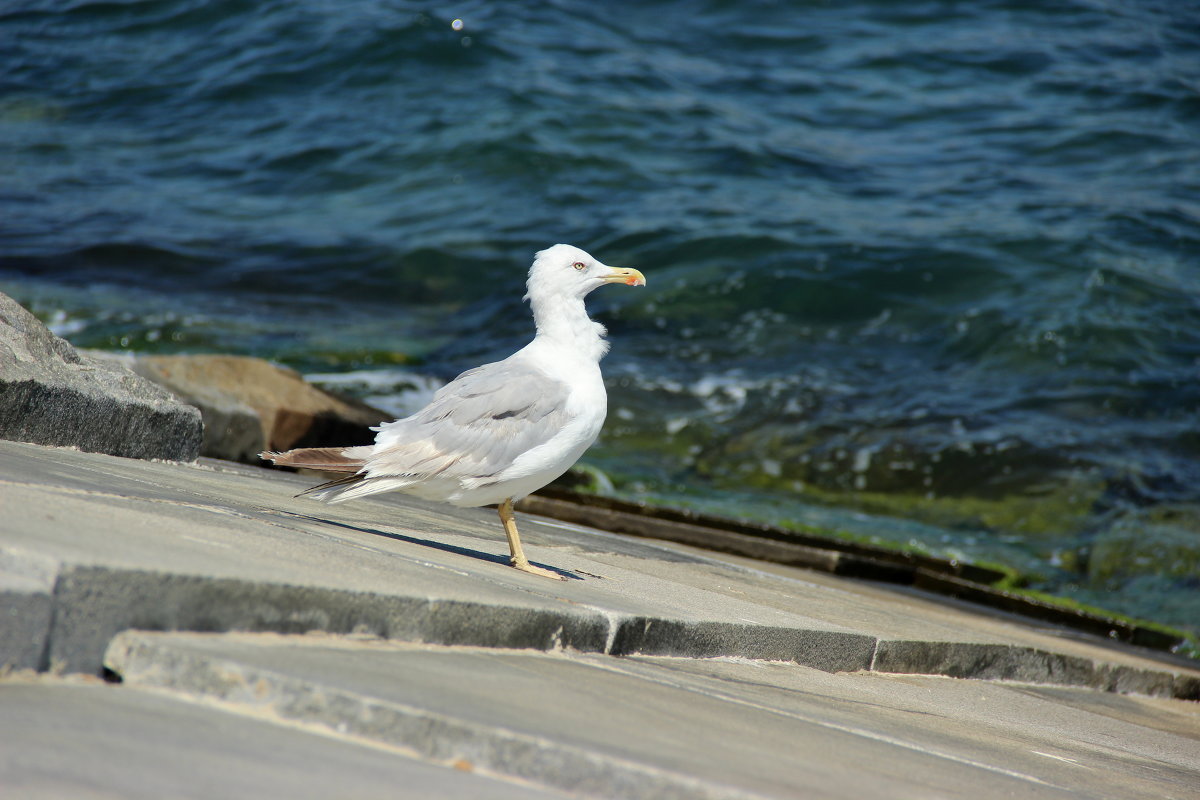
(925, 273)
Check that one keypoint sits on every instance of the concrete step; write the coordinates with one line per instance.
(649, 727)
(91, 545)
(394, 629)
(90, 741)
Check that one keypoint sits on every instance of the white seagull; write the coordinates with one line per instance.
(498, 432)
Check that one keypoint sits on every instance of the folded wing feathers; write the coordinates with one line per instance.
(473, 429)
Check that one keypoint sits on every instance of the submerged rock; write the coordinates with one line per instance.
(250, 405)
(52, 394)
(1010, 486)
(1134, 547)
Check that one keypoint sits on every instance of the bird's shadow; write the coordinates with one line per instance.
(446, 548)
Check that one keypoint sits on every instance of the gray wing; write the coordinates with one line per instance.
(476, 425)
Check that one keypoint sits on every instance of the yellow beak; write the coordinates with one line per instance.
(625, 275)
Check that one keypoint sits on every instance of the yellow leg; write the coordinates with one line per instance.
(518, 559)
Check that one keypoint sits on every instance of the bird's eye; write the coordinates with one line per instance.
(579, 265)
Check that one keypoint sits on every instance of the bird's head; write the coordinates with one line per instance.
(566, 271)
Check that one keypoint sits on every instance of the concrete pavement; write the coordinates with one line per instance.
(85, 740)
(392, 625)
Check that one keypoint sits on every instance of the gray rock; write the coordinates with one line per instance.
(250, 405)
(51, 394)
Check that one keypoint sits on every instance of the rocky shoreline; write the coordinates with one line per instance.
(175, 408)
(146, 604)
(180, 407)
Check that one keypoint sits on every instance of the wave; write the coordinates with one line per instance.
(925, 261)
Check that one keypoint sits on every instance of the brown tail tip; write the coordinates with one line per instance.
(269, 455)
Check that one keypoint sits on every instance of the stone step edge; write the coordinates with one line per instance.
(68, 626)
(145, 662)
(972, 583)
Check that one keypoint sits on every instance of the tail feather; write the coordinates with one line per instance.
(350, 460)
(331, 489)
(355, 486)
(330, 459)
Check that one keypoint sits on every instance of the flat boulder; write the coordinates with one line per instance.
(52, 394)
(250, 405)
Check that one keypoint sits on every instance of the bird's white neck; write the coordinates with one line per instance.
(565, 322)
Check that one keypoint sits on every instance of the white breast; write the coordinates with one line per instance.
(587, 406)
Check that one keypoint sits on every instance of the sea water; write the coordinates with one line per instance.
(923, 273)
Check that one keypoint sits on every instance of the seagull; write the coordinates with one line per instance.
(498, 432)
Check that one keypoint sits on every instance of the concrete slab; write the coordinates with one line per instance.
(220, 547)
(26, 608)
(97, 742)
(931, 634)
(669, 727)
(1095, 743)
(170, 546)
